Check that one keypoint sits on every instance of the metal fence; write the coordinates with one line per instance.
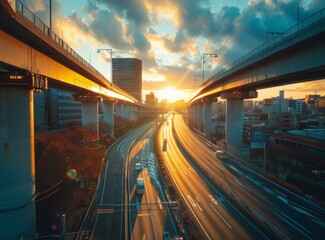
(28, 14)
(280, 37)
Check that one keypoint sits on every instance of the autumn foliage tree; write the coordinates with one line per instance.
(63, 151)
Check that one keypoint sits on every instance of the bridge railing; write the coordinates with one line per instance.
(273, 41)
(28, 14)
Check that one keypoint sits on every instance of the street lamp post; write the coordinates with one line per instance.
(203, 57)
(110, 51)
(51, 15)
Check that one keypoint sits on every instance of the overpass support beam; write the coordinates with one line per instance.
(90, 112)
(125, 112)
(207, 119)
(109, 117)
(234, 120)
(90, 116)
(119, 108)
(133, 113)
(17, 163)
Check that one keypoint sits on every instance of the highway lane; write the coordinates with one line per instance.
(106, 216)
(213, 214)
(148, 215)
(285, 214)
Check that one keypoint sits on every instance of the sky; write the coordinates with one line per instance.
(170, 36)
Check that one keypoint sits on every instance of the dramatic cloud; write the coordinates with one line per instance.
(171, 36)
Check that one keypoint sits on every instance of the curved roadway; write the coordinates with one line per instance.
(214, 216)
(281, 212)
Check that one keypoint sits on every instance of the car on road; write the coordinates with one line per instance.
(166, 236)
(140, 185)
(137, 167)
(221, 155)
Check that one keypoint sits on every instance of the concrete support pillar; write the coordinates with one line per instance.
(125, 113)
(136, 116)
(17, 163)
(119, 109)
(234, 119)
(90, 116)
(199, 116)
(234, 126)
(195, 113)
(207, 119)
(109, 117)
(132, 113)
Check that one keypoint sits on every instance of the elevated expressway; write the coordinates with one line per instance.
(33, 58)
(293, 56)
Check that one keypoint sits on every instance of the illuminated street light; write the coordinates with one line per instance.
(110, 51)
(203, 57)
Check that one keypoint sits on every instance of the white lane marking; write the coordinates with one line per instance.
(191, 200)
(287, 219)
(280, 193)
(235, 169)
(184, 170)
(213, 199)
(198, 203)
(191, 169)
(215, 164)
(318, 221)
(224, 220)
(253, 180)
(303, 210)
(144, 237)
(241, 184)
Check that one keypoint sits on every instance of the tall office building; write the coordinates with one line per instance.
(127, 74)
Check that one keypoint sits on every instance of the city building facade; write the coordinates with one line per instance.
(56, 109)
(127, 75)
(151, 100)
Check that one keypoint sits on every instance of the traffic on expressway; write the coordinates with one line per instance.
(214, 216)
(223, 199)
(118, 210)
(278, 212)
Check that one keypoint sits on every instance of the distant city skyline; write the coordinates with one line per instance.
(295, 91)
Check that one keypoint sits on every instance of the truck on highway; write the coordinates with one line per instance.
(140, 185)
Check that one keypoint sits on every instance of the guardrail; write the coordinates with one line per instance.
(28, 14)
(273, 41)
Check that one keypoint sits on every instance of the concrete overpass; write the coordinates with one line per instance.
(293, 56)
(33, 58)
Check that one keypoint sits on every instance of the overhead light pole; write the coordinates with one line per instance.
(110, 51)
(203, 57)
(51, 15)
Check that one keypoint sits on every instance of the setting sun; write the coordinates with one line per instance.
(170, 93)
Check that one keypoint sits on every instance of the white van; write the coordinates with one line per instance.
(140, 185)
(221, 155)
